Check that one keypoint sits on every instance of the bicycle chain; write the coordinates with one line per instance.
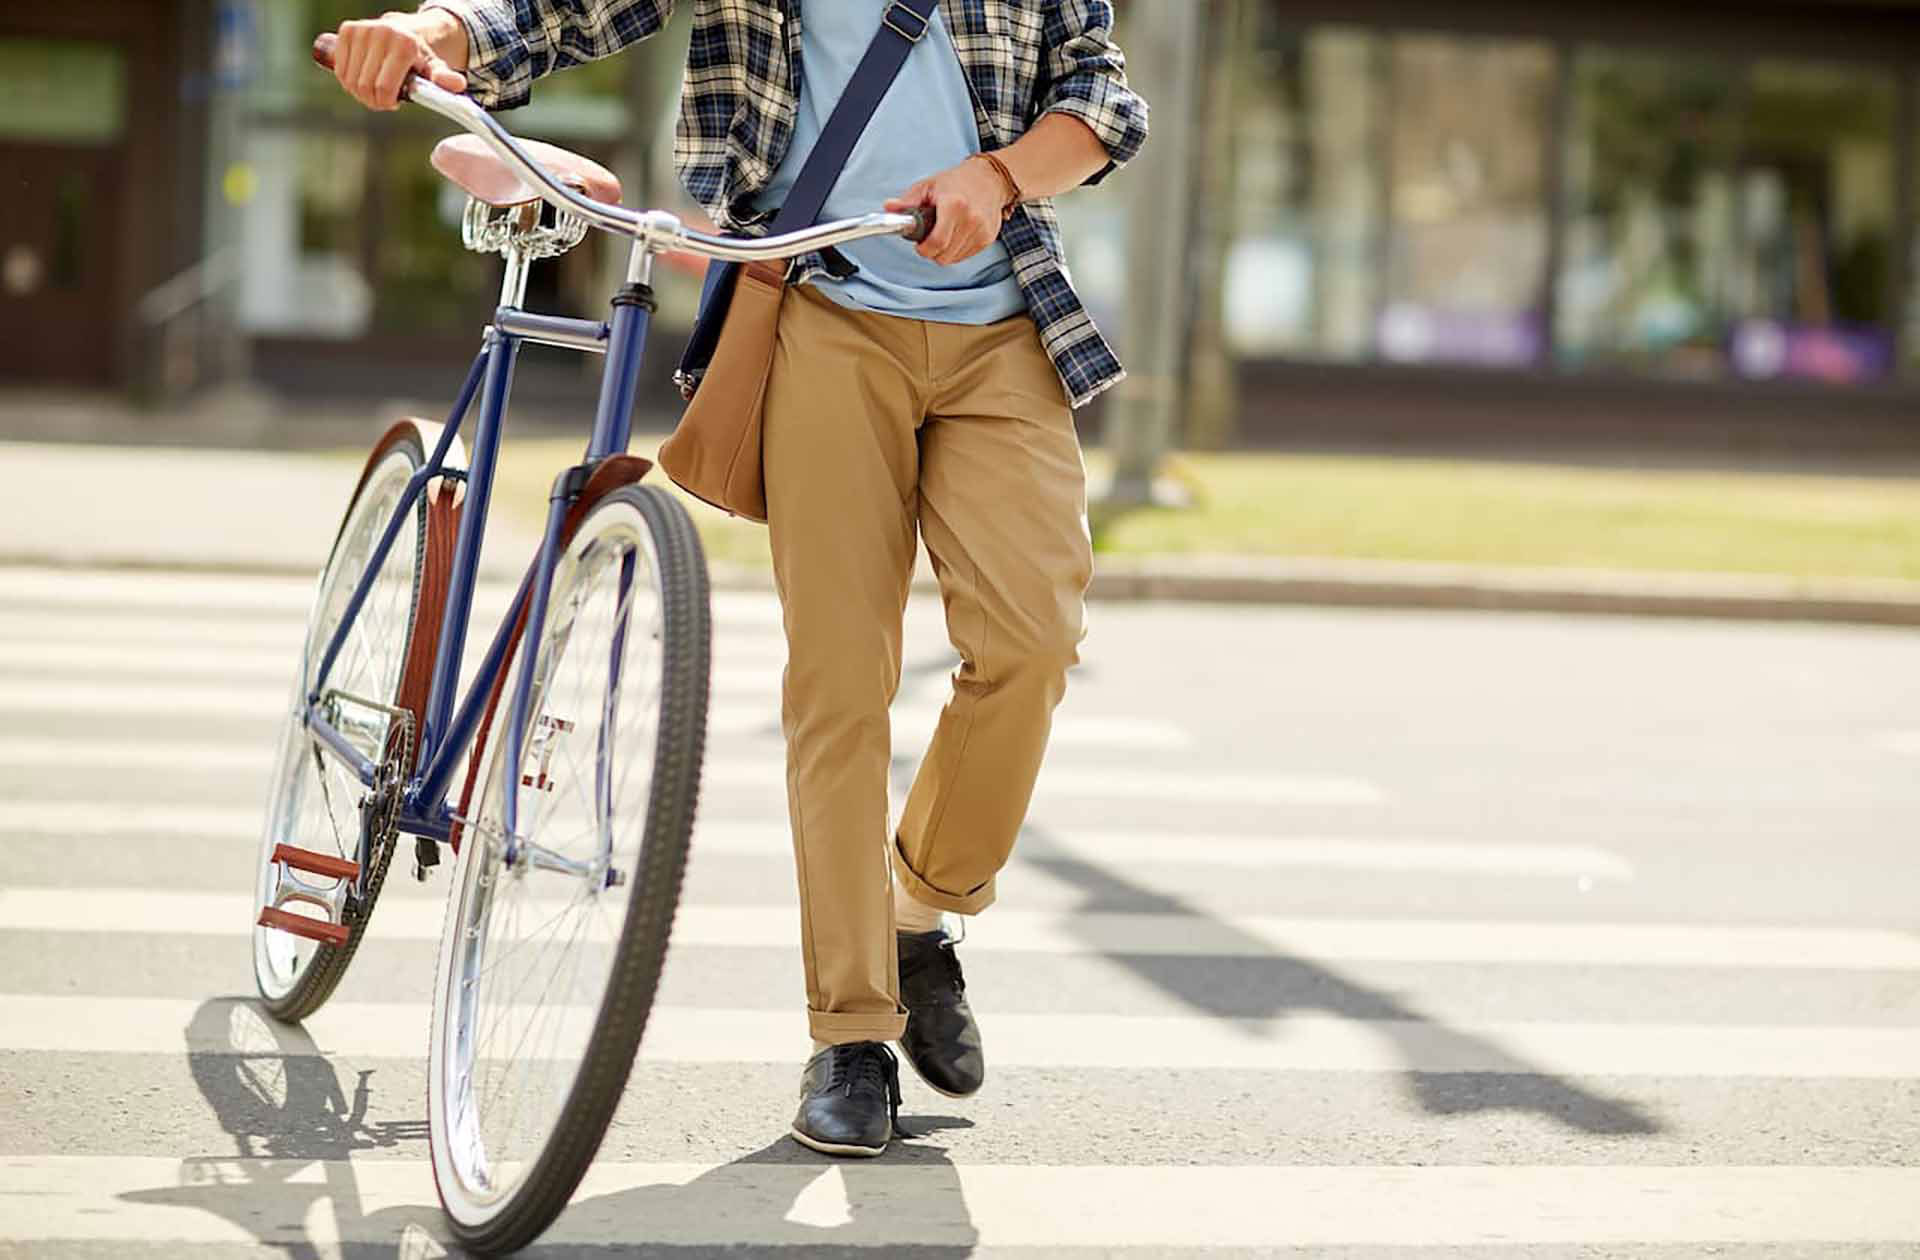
(379, 817)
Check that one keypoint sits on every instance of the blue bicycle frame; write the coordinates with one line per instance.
(446, 732)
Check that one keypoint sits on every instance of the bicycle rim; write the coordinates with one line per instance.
(313, 801)
(548, 965)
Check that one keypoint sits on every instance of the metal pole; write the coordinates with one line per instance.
(1164, 38)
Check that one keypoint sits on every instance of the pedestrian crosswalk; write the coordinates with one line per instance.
(1247, 991)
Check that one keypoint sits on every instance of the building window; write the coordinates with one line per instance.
(1396, 187)
(1650, 251)
(63, 91)
(1729, 221)
(1302, 275)
(1467, 233)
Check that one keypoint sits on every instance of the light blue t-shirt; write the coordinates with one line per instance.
(924, 125)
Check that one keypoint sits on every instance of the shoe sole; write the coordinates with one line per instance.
(944, 1093)
(838, 1148)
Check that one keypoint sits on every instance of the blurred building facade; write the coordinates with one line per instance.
(104, 140)
(1621, 212)
(1493, 213)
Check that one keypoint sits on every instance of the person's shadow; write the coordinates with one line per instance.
(294, 1129)
(1243, 979)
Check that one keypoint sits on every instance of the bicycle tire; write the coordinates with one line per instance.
(579, 1124)
(402, 449)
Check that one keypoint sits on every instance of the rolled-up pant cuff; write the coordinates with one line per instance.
(927, 895)
(838, 1030)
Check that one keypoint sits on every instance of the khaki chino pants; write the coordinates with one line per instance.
(875, 427)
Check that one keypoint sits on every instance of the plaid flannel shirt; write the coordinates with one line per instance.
(1022, 58)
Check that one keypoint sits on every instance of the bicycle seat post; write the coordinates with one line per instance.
(513, 281)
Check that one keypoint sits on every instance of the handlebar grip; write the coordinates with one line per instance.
(324, 45)
(924, 220)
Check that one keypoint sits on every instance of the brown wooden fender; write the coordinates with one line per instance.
(444, 503)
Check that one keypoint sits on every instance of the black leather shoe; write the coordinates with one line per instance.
(942, 1041)
(849, 1099)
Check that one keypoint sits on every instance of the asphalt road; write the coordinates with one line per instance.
(1361, 934)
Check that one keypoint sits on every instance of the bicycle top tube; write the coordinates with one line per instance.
(656, 230)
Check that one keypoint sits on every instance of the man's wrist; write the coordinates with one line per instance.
(1013, 196)
(444, 30)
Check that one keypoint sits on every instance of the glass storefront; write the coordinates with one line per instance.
(1394, 198)
(1729, 221)
(1420, 197)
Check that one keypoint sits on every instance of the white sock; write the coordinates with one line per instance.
(819, 1045)
(910, 915)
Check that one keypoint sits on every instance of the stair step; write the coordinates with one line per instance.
(300, 925)
(316, 863)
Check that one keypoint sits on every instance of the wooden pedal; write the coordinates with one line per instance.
(316, 863)
(300, 925)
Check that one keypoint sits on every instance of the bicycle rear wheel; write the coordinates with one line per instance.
(314, 802)
(555, 937)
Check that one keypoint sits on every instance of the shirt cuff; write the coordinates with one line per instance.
(499, 72)
(1113, 112)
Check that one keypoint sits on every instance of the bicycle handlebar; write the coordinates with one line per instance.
(656, 229)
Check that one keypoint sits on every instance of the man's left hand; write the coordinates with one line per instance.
(966, 201)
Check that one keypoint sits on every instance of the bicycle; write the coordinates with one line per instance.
(562, 896)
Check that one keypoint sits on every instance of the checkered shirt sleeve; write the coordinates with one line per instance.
(510, 43)
(1087, 79)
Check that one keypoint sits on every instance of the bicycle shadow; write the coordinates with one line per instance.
(294, 1128)
(291, 1184)
(783, 1197)
(1247, 980)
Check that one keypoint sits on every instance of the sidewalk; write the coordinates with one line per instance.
(198, 510)
(210, 509)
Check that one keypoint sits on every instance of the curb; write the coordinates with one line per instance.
(1364, 584)
(1236, 580)
(1360, 584)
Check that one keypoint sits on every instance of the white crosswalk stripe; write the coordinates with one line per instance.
(123, 911)
(1297, 1043)
(214, 1200)
(1252, 851)
(1170, 858)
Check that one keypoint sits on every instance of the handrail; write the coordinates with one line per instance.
(180, 293)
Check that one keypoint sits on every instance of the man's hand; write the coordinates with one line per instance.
(374, 57)
(966, 202)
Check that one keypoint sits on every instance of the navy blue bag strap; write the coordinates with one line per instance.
(902, 25)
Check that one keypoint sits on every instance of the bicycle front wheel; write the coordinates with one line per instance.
(555, 935)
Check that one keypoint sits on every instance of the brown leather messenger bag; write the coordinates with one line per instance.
(714, 453)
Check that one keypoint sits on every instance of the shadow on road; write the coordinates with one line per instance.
(289, 1181)
(1247, 980)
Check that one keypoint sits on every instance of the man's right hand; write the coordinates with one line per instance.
(374, 57)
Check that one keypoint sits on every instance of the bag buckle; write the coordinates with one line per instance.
(912, 37)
